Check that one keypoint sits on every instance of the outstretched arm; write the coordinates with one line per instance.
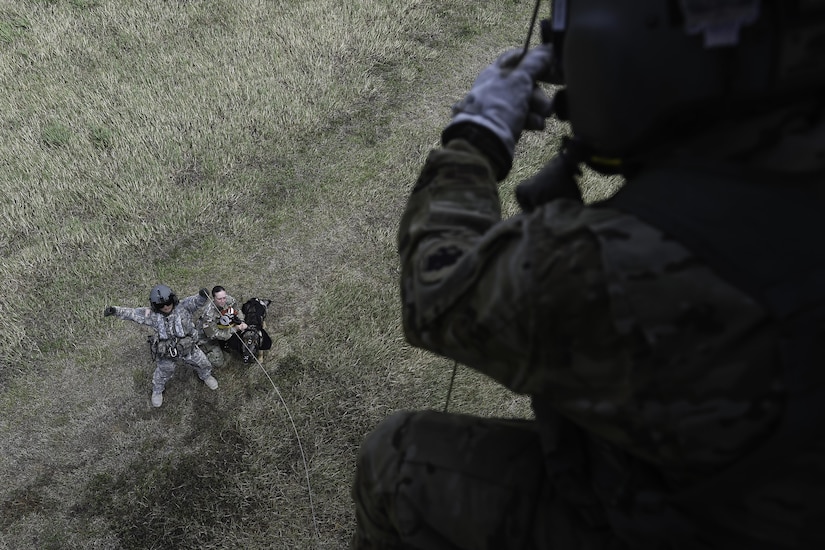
(140, 315)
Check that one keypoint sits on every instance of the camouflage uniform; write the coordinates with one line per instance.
(649, 374)
(175, 339)
(212, 335)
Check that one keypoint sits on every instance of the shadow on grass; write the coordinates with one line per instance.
(186, 499)
(195, 493)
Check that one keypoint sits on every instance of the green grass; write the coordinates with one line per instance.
(265, 146)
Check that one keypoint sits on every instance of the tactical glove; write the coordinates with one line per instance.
(203, 292)
(504, 101)
(108, 311)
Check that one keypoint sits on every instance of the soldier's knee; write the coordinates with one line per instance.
(165, 367)
(385, 439)
(378, 460)
(375, 485)
(216, 358)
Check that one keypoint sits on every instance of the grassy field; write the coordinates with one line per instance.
(267, 146)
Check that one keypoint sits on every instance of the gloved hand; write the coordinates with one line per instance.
(108, 311)
(505, 99)
(203, 292)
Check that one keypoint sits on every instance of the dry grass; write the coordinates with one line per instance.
(265, 146)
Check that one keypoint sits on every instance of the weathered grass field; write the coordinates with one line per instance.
(267, 146)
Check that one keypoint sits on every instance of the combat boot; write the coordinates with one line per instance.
(157, 399)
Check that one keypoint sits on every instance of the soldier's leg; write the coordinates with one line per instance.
(164, 369)
(427, 480)
(198, 360)
(213, 352)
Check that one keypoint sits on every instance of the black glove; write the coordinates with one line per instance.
(203, 292)
(108, 311)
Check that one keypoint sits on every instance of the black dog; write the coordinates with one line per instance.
(255, 338)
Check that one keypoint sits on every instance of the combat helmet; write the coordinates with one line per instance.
(638, 75)
(160, 296)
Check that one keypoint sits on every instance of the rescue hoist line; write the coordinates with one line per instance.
(291, 421)
(450, 387)
(524, 51)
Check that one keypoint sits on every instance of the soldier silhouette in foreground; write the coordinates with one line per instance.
(671, 336)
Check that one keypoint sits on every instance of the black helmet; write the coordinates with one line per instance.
(162, 295)
(640, 73)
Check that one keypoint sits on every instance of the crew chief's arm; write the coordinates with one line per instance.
(508, 298)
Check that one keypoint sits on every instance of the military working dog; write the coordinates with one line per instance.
(255, 339)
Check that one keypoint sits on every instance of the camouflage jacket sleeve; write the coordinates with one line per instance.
(616, 325)
(475, 288)
(140, 315)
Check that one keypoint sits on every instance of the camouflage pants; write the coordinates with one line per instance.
(427, 480)
(165, 367)
(214, 351)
